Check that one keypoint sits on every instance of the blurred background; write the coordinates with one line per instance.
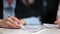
(47, 9)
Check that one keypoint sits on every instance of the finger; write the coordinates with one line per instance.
(16, 19)
(22, 21)
(19, 21)
(13, 22)
(55, 22)
(3, 24)
(58, 24)
(10, 24)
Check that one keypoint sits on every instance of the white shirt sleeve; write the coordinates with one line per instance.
(32, 21)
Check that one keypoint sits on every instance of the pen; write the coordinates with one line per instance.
(22, 26)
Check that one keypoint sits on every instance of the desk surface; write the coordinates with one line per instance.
(35, 29)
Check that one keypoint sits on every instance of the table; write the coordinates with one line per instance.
(31, 29)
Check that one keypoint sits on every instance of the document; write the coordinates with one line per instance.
(34, 29)
(1, 33)
(30, 29)
(53, 26)
(48, 31)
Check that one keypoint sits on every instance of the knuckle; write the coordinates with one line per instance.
(7, 21)
(11, 17)
(8, 18)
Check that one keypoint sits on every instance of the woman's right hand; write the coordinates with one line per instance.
(9, 23)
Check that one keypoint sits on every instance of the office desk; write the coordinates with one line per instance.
(40, 30)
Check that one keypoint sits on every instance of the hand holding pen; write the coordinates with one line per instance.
(11, 22)
(18, 22)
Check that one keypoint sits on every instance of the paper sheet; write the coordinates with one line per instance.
(52, 26)
(34, 29)
(28, 30)
(48, 31)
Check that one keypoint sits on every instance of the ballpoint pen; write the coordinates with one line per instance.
(22, 26)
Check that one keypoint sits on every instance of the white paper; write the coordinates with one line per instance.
(52, 26)
(27, 30)
(49, 31)
(34, 29)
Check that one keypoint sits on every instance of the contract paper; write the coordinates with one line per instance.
(48, 31)
(53, 26)
(28, 30)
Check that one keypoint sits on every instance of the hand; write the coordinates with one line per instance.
(10, 22)
(20, 21)
(58, 21)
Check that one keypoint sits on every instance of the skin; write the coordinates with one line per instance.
(58, 21)
(11, 22)
(9, 1)
(27, 3)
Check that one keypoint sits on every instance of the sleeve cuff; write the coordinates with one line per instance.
(32, 21)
